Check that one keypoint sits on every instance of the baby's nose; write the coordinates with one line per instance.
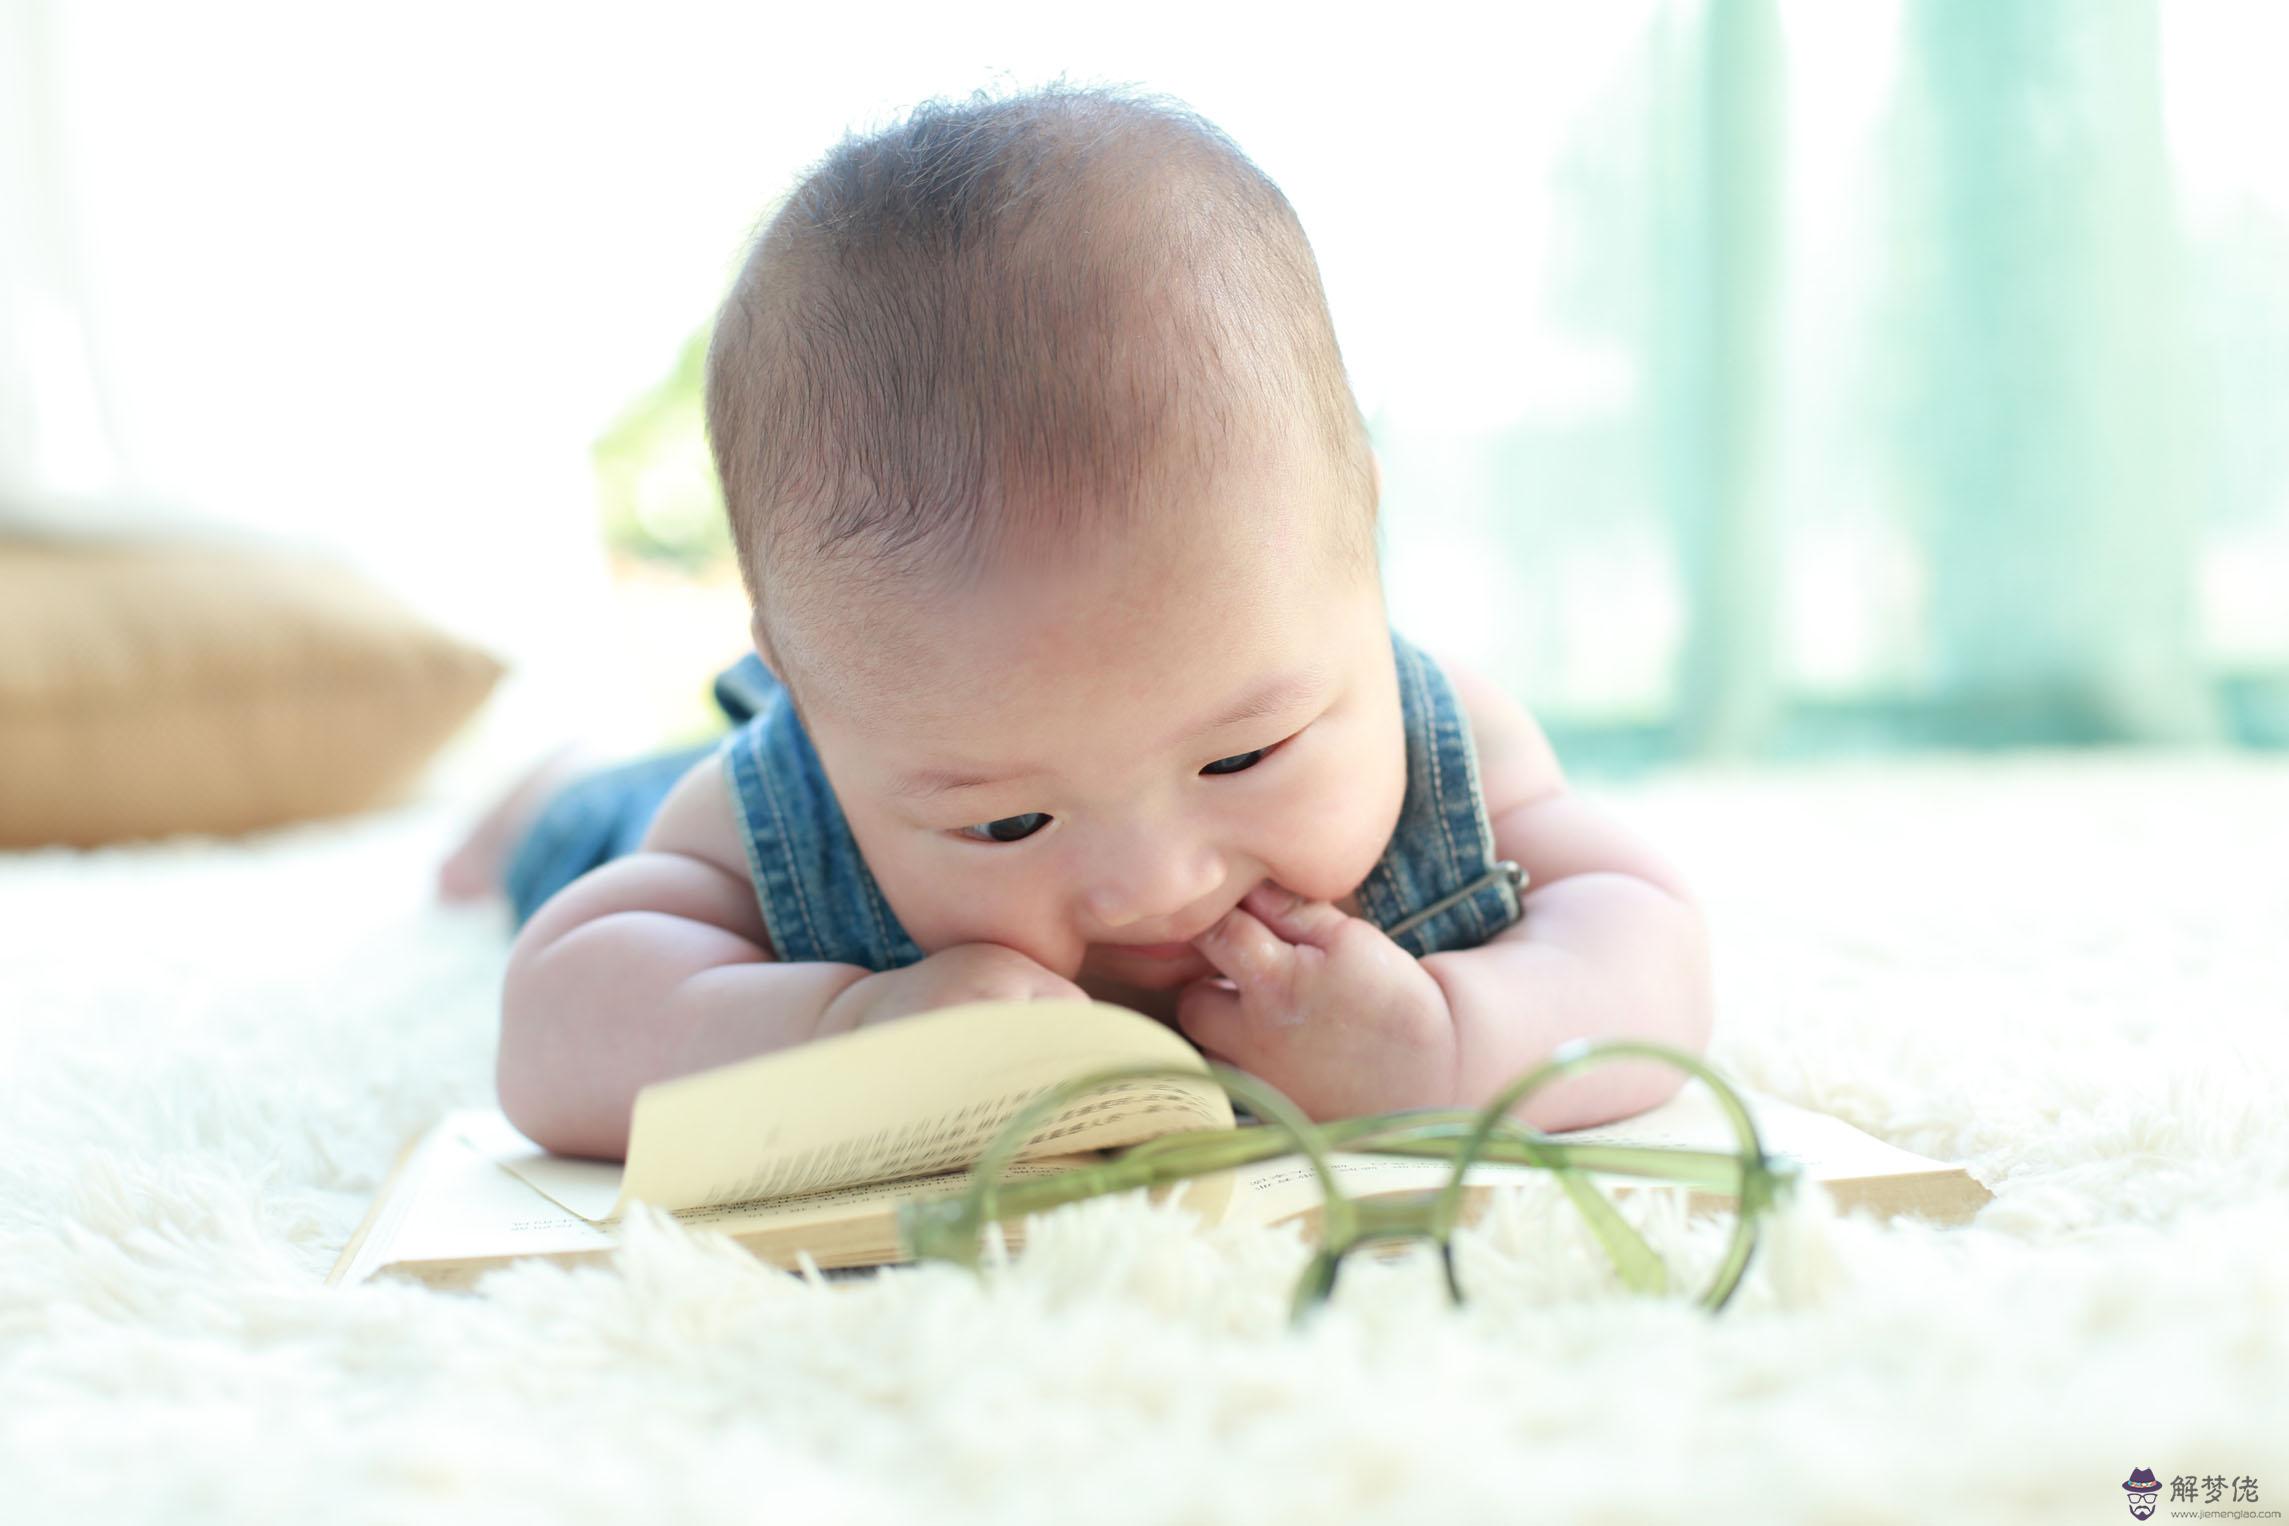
(1153, 887)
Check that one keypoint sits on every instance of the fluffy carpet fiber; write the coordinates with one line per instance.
(2069, 973)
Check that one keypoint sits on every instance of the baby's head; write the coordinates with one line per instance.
(1041, 461)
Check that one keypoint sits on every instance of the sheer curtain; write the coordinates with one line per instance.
(1944, 410)
(1750, 378)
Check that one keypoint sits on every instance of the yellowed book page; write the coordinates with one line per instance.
(454, 1203)
(916, 1097)
(388, 1205)
(459, 1198)
(848, 1226)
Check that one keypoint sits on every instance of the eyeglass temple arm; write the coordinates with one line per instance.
(1417, 1133)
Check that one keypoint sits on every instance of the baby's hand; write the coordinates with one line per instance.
(1328, 1009)
(965, 972)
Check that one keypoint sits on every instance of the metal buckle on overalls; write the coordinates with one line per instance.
(1506, 868)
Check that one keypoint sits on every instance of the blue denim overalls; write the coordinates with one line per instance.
(1438, 885)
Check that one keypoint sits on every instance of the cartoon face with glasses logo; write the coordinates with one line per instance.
(2142, 1488)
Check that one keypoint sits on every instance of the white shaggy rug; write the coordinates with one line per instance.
(2069, 972)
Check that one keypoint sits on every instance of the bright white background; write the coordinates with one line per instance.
(380, 279)
(374, 279)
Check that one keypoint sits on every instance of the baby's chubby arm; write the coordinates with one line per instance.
(658, 964)
(649, 966)
(1613, 944)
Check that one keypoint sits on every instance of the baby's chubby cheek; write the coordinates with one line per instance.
(938, 915)
(1335, 841)
(946, 926)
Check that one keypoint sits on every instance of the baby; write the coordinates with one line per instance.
(1072, 676)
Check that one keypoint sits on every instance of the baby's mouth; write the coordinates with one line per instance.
(1157, 950)
(1144, 970)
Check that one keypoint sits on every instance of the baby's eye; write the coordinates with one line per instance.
(1245, 760)
(1019, 828)
(1008, 829)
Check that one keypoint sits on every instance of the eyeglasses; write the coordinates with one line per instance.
(1743, 1182)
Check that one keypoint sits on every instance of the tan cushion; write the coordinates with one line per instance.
(152, 688)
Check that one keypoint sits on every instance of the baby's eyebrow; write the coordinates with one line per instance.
(1268, 698)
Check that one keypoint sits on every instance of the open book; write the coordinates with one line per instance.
(808, 1151)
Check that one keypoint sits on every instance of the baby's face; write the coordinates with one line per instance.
(1063, 769)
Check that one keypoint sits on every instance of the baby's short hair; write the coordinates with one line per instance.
(1009, 320)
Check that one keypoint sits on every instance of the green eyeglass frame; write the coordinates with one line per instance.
(951, 1228)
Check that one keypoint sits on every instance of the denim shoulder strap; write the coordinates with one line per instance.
(1439, 885)
(820, 902)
